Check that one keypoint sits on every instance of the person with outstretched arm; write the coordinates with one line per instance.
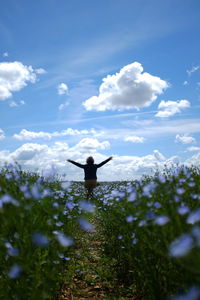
(90, 170)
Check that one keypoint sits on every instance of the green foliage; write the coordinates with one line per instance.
(33, 216)
(140, 222)
(149, 232)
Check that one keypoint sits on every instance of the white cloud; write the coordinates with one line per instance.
(38, 157)
(16, 104)
(193, 148)
(130, 88)
(194, 160)
(194, 69)
(185, 139)
(91, 144)
(170, 108)
(2, 134)
(13, 77)
(159, 155)
(27, 152)
(134, 139)
(13, 104)
(5, 54)
(185, 82)
(63, 105)
(40, 71)
(62, 89)
(30, 135)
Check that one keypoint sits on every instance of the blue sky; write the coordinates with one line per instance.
(100, 78)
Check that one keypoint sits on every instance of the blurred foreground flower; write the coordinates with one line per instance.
(87, 206)
(192, 294)
(64, 240)
(85, 225)
(161, 220)
(15, 271)
(181, 246)
(40, 239)
(194, 217)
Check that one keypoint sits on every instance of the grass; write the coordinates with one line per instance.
(136, 240)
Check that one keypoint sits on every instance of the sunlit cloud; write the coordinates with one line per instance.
(40, 71)
(62, 88)
(127, 89)
(42, 158)
(13, 77)
(192, 149)
(30, 135)
(185, 139)
(134, 139)
(170, 108)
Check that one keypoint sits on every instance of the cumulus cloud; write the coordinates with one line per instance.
(185, 139)
(62, 88)
(91, 144)
(170, 108)
(28, 151)
(134, 139)
(2, 134)
(30, 135)
(159, 155)
(43, 158)
(193, 148)
(130, 88)
(13, 77)
(194, 160)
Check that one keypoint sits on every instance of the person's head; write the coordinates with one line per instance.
(90, 160)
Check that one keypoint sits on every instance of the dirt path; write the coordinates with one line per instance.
(93, 278)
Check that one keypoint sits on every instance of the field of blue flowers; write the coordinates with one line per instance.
(149, 228)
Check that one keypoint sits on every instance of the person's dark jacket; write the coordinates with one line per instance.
(90, 169)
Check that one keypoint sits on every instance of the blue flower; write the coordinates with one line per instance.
(15, 271)
(6, 199)
(161, 220)
(194, 217)
(85, 225)
(181, 246)
(87, 206)
(180, 191)
(182, 210)
(192, 294)
(132, 197)
(40, 239)
(120, 237)
(142, 223)
(150, 215)
(157, 204)
(196, 234)
(130, 219)
(64, 240)
(70, 205)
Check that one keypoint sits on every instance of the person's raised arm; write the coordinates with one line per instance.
(75, 163)
(104, 162)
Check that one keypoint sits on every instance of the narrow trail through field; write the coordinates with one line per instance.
(93, 278)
